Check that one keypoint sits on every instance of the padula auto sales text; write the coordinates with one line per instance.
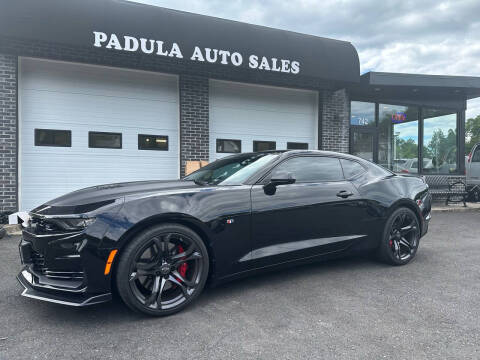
(173, 50)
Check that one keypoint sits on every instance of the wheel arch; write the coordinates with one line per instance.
(173, 218)
(409, 204)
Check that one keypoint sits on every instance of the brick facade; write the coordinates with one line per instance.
(194, 119)
(194, 100)
(335, 119)
(8, 133)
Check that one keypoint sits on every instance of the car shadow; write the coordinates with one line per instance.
(115, 312)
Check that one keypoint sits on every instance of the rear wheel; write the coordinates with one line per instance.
(401, 237)
(162, 270)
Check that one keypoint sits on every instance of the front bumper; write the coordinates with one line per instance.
(49, 293)
(65, 269)
(426, 223)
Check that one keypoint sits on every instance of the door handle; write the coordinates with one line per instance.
(344, 194)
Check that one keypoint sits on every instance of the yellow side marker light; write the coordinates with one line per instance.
(108, 265)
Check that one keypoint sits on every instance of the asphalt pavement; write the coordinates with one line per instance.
(353, 308)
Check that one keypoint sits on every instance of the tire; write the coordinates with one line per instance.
(401, 237)
(153, 277)
(476, 195)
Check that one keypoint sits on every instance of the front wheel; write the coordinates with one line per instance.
(162, 270)
(401, 237)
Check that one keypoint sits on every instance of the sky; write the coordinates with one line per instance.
(422, 36)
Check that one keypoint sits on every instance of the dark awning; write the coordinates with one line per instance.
(421, 89)
(74, 23)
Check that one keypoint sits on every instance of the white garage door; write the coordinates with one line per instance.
(82, 102)
(268, 116)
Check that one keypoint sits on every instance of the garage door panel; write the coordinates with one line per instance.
(247, 142)
(242, 96)
(248, 113)
(96, 80)
(246, 122)
(59, 109)
(81, 99)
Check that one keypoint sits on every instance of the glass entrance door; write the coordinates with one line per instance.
(363, 143)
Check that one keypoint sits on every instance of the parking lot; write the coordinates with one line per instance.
(352, 308)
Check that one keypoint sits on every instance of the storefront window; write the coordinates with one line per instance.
(398, 138)
(362, 113)
(439, 141)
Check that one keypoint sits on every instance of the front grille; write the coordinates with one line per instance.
(64, 275)
(38, 260)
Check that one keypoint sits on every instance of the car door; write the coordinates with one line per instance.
(317, 214)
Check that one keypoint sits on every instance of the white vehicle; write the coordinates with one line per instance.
(410, 166)
(473, 172)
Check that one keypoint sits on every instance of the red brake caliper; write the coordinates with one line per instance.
(182, 269)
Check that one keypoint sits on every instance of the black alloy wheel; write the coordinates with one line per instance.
(162, 270)
(401, 237)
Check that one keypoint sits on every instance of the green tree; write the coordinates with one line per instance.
(406, 149)
(472, 133)
(442, 149)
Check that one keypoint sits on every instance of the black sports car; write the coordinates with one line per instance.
(158, 242)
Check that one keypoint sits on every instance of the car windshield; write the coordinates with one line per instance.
(233, 170)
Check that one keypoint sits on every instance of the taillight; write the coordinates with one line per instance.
(405, 171)
(470, 156)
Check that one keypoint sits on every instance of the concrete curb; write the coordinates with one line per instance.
(457, 208)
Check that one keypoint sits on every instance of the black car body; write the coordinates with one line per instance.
(246, 227)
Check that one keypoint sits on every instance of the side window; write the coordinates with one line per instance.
(153, 142)
(264, 145)
(229, 146)
(47, 137)
(476, 155)
(351, 168)
(297, 146)
(104, 140)
(312, 169)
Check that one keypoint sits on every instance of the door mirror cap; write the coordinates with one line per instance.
(278, 178)
(282, 178)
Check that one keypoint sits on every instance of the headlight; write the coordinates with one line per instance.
(73, 224)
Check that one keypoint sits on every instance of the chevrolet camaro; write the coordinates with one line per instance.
(157, 243)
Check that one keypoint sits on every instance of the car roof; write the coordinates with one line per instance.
(322, 153)
(287, 153)
(303, 152)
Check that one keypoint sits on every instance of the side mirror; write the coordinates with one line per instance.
(282, 178)
(278, 178)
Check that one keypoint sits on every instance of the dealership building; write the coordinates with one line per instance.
(102, 91)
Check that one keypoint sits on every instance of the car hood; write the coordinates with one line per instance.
(91, 198)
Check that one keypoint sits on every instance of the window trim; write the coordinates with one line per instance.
(36, 142)
(264, 141)
(374, 124)
(228, 152)
(90, 133)
(155, 136)
(266, 177)
(365, 170)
